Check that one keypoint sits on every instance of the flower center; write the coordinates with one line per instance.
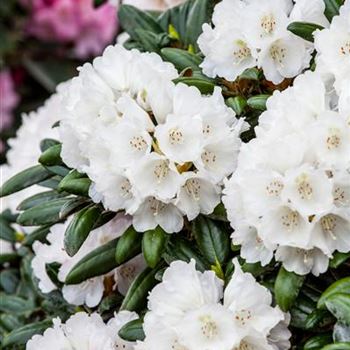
(208, 157)
(193, 188)
(328, 224)
(242, 52)
(290, 220)
(333, 140)
(161, 170)
(345, 49)
(244, 346)
(155, 206)
(209, 328)
(175, 136)
(125, 189)
(138, 143)
(339, 196)
(278, 54)
(207, 129)
(305, 253)
(176, 346)
(127, 271)
(274, 188)
(268, 24)
(304, 187)
(243, 316)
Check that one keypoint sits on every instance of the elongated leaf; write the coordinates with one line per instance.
(136, 297)
(42, 214)
(10, 322)
(8, 257)
(251, 74)
(129, 245)
(341, 332)
(47, 143)
(339, 305)
(73, 205)
(199, 14)
(21, 335)
(304, 30)
(180, 249)
(237, 103)
(96, 263)
(258, 102)
(153, 246)
(317, 342)
(340, 286)
(287, 288)
(14, 304)
(337, 346)
(39, 198)
(131, 18)
(105, 217)
(24, 179)
(181, 59)
(132, 331)
(51, 156)
(204, 85)
(79, 228)
(338, 259)
(9, 279)
(332, 8)
(212, 240)
(316, 318)
(75, 183)
(37, 235)
(7, 233)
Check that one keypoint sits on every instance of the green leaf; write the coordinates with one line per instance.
(37, 235)
(258, 102)
(59, 170)
(73, 205)
(153, 246)
(129, 245)
(52, 156)
(317, 342)
(132, 331)
(7, 233)
(47, 143)
(136, 297)
(287, 288)
(96, 263)
(181, 249)
(339, 305)
(14, 304)
(39, 198)
(151, 41)
(337, 346)
(340, 286)
(199, 14)
(338, 259)
(251, 74)
(131, 18)
(316, 317)
(10, 322)
(181, 59)
(237, 103)
(23, 334)
(212, 240)
(42, 214)
(105, 217)
(24, 179)
(9, 280)
(332, 8)
(75, 183)
(304, 30)
(8, 258)
(203, 84)
(79, 228)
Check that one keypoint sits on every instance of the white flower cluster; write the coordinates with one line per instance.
(250, 33)
(156, 150)
(333, 47)
(84, 332)
(89, 292)
(186, 313)
(291, 191)
(25, 147)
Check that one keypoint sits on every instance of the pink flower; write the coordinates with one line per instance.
(8, 99)
(155, 5)
(74, 22)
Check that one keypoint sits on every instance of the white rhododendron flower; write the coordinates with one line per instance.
(333, 47)
(156, 150)
(254, 33)
(89, 292)
(25, 147)
(290, 191)
(84, 332)
(196, 319)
